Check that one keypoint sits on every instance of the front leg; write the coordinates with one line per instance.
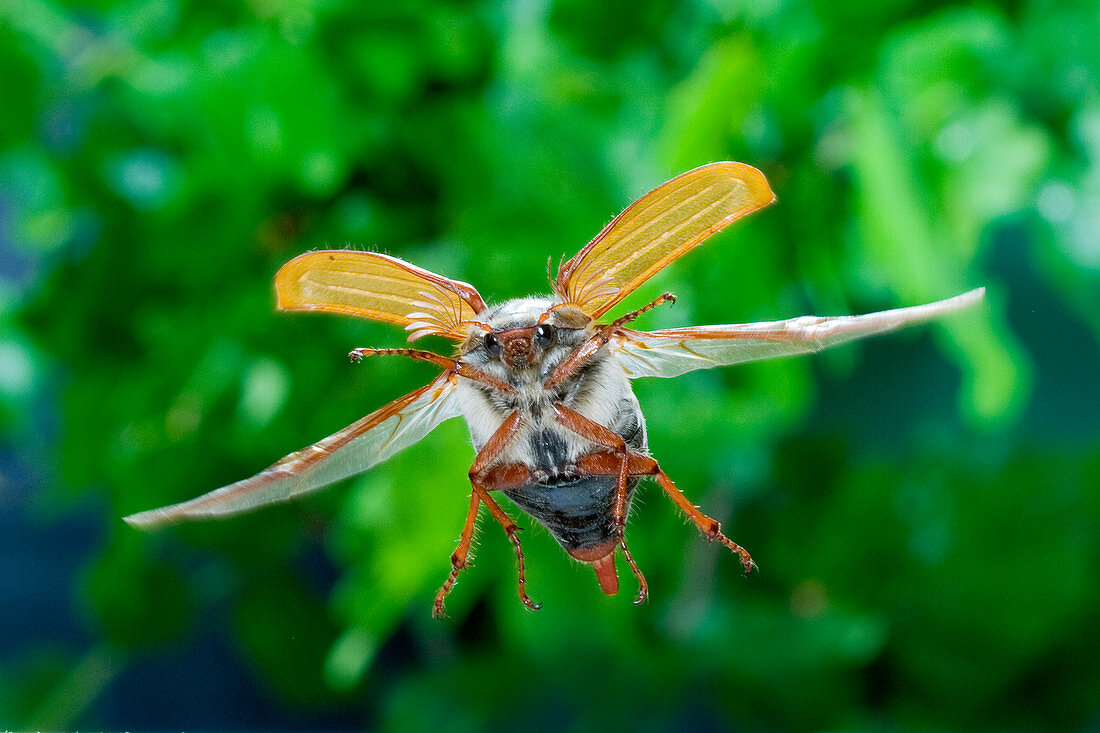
(597, 341)
(454, 365)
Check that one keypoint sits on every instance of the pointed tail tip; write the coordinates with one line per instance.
(607, 574)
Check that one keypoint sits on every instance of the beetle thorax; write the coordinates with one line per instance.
(599, 390)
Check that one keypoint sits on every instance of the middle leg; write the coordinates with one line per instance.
(484, 477)
(508, 476)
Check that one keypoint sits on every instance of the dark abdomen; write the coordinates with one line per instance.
(577, 511)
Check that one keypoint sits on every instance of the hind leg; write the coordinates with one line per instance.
(612, 464)
(637, 464)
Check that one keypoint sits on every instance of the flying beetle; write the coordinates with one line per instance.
(542, 382)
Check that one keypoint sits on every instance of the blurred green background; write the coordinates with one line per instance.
(924, 507)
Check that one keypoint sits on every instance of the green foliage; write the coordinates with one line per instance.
(924, 507)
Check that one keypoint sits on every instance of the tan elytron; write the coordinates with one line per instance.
(656, 229)
(381, 287)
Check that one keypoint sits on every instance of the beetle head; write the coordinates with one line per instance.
(515, 346)
(526, 332)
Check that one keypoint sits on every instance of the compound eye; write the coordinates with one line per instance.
(543, 336)
(492, 343)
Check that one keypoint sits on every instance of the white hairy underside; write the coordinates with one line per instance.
(599, 396)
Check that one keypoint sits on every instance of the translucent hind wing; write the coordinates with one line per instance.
(352, 450)
(672, 352)
(656, 229)
(381, 287)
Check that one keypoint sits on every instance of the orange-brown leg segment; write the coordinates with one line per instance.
(460, 557)
(616, 464)
(465, 370)
(479, 472)
(512, 531)
(597, 341)
(357, 355)
(710, 527)
(666, 298)
(642, 465)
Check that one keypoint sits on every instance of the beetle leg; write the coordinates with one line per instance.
(512, 531)
(666, 298)
(616, 464)
(642, 465)
(592, 430)
(483, 478)
(459, 558)
(597, 341)
(710, 527)
(356, 355)
(456, 366)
